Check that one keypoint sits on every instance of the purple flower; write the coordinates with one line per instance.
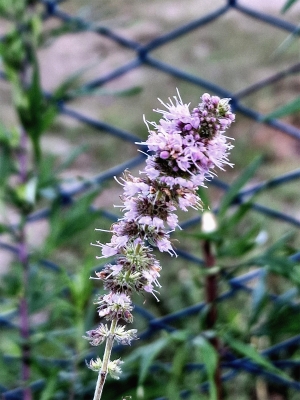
(186, 147)
(188, 143)
(125, 337)
(115, 305)
(108, 249)
(97, 336)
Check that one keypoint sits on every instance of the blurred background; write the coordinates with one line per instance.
(105, 64)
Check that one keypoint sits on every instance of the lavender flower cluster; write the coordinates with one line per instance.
(184, 147)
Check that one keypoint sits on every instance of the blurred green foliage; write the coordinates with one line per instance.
(58, 291)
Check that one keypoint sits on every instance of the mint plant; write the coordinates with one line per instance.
(185, 148)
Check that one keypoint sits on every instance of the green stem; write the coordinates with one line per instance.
(106, 358)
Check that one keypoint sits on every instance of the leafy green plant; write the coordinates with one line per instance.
(48, 281)
(51, 304)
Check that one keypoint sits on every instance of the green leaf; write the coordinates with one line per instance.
(70, 83)
(80, 287)
(49, 115)
(203, 194)
(30, 102)
(282, 319)
(26, 193)
(280, 245)
(179, 360)
(149, 353)
(71, 89)
(36, 113)
(288, 5)
(145, 356)
(232, 192)
(36, 99)
(284, 267)
(6, 166)
(251, 353)
(44, 288)
(287, 109)
(48, 180)
(12, 52)
(10, 345)
(178, 370)
(4, 228)
(276, 260)
(133, 91)
(239, 245)
(12, 8)
(50, 389)
(231, 221)
(259, 298)
(210, 359)
(9, 137)
(77, 151)
(36, 27)
(87, 91)
(65, 223)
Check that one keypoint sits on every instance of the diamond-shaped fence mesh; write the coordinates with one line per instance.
(151, 55)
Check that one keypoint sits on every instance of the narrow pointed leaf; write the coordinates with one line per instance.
(232, 192)
(210, 359)
(150, 353)
(287, 109)
(288, 5)
(250, 352)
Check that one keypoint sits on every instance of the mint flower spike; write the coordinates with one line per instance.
(185, 148)
(188, 145)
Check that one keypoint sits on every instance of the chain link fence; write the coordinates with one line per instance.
(143, 56)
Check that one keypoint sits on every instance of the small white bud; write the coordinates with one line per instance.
(140, 392)
(209, 222)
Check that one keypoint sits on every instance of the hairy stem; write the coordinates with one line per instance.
(211, 289)
(106, 358)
